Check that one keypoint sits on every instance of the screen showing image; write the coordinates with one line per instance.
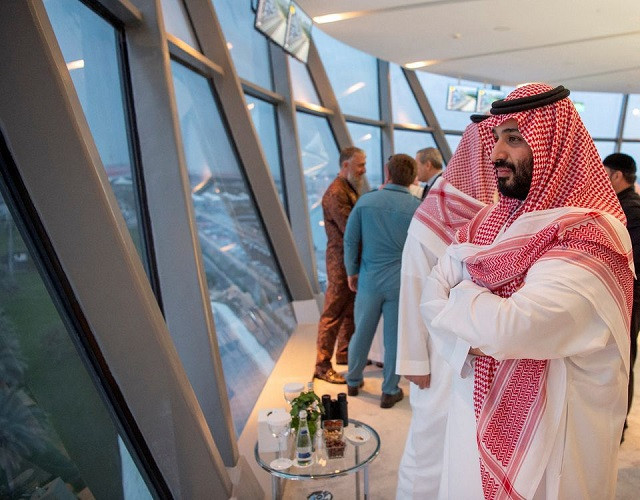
(298, 35)
(486, 97)
(462, 98)
(271, 19)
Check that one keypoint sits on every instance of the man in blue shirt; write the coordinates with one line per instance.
(373, 241)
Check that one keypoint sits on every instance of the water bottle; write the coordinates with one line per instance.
(303, 441)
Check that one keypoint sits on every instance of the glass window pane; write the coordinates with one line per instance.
(632, 149)
(436, 87)
(453, 141)
(605, 148)
(303, 88)
(90, 48)
(410, 142)
(264, 119)
(251, 307)
(403, 102)
(177, 23)
(320, 163)
(249, 48)
(57, 437)
(600, 112)
(632, 118)
(357, 88)
(367, 137)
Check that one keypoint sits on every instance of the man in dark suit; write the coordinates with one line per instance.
(622, 173)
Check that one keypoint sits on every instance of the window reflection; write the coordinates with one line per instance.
(453, 141)
(600, 112)
(367, 138)
(605, 148)
(177, 23)
(263, 115)
(632, 149)
(632, 118)
(251, 307)
(301, 84)
(320, 163)
(89, 46)
(357, 88)
(403, 102)
(57, 439)
(410, 142)
(248, 47)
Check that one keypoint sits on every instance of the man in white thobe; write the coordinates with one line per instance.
(530, 307)
(465, 187)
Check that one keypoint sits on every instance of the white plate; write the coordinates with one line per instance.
(357, 435)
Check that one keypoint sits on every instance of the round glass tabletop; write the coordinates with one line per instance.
(362, 446)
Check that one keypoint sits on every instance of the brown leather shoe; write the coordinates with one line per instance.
(330, 376)
(352, 390)
(342, 360)
(388, 400)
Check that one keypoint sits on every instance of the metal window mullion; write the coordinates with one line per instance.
(386, 109)
(261, 93)
(621, 122)
(427, 113)
(328, 98)
(181, 274)
(363, 121)
(123, 10)
(296, 190)
(182, 51)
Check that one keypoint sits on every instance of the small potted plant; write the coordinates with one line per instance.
(310, 402)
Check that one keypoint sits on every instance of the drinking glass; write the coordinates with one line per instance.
(292, 390)
(280, 425)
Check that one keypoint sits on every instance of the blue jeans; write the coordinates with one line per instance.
(370, 304)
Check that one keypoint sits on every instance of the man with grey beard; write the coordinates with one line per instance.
(336, 324)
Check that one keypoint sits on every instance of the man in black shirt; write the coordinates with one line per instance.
(622, 173)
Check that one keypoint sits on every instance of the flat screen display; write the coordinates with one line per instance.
(486, 97)
(298, 36)
(271, 19)
(462, 98)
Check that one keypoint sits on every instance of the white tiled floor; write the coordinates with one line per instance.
(392, 426)
(296, 363)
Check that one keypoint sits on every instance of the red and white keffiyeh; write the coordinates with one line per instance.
(467, 185)
(510, 395)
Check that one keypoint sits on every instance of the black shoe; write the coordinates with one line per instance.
(388, 400)
(379, 364)
(352, 390)
(330, 376)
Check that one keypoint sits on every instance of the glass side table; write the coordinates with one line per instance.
(356, 458)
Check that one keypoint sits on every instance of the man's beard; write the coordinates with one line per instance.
(359, 183)
(520, 183)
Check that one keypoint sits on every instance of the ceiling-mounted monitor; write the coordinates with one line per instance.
(271, 19)
(462, 98)
(486, 97)
(298, 36)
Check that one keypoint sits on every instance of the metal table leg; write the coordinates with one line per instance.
(366, 482)
(275, 488)
(358, 474)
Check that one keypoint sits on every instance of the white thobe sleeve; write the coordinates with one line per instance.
(435, 297)
(413, 355)
(549, 317)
